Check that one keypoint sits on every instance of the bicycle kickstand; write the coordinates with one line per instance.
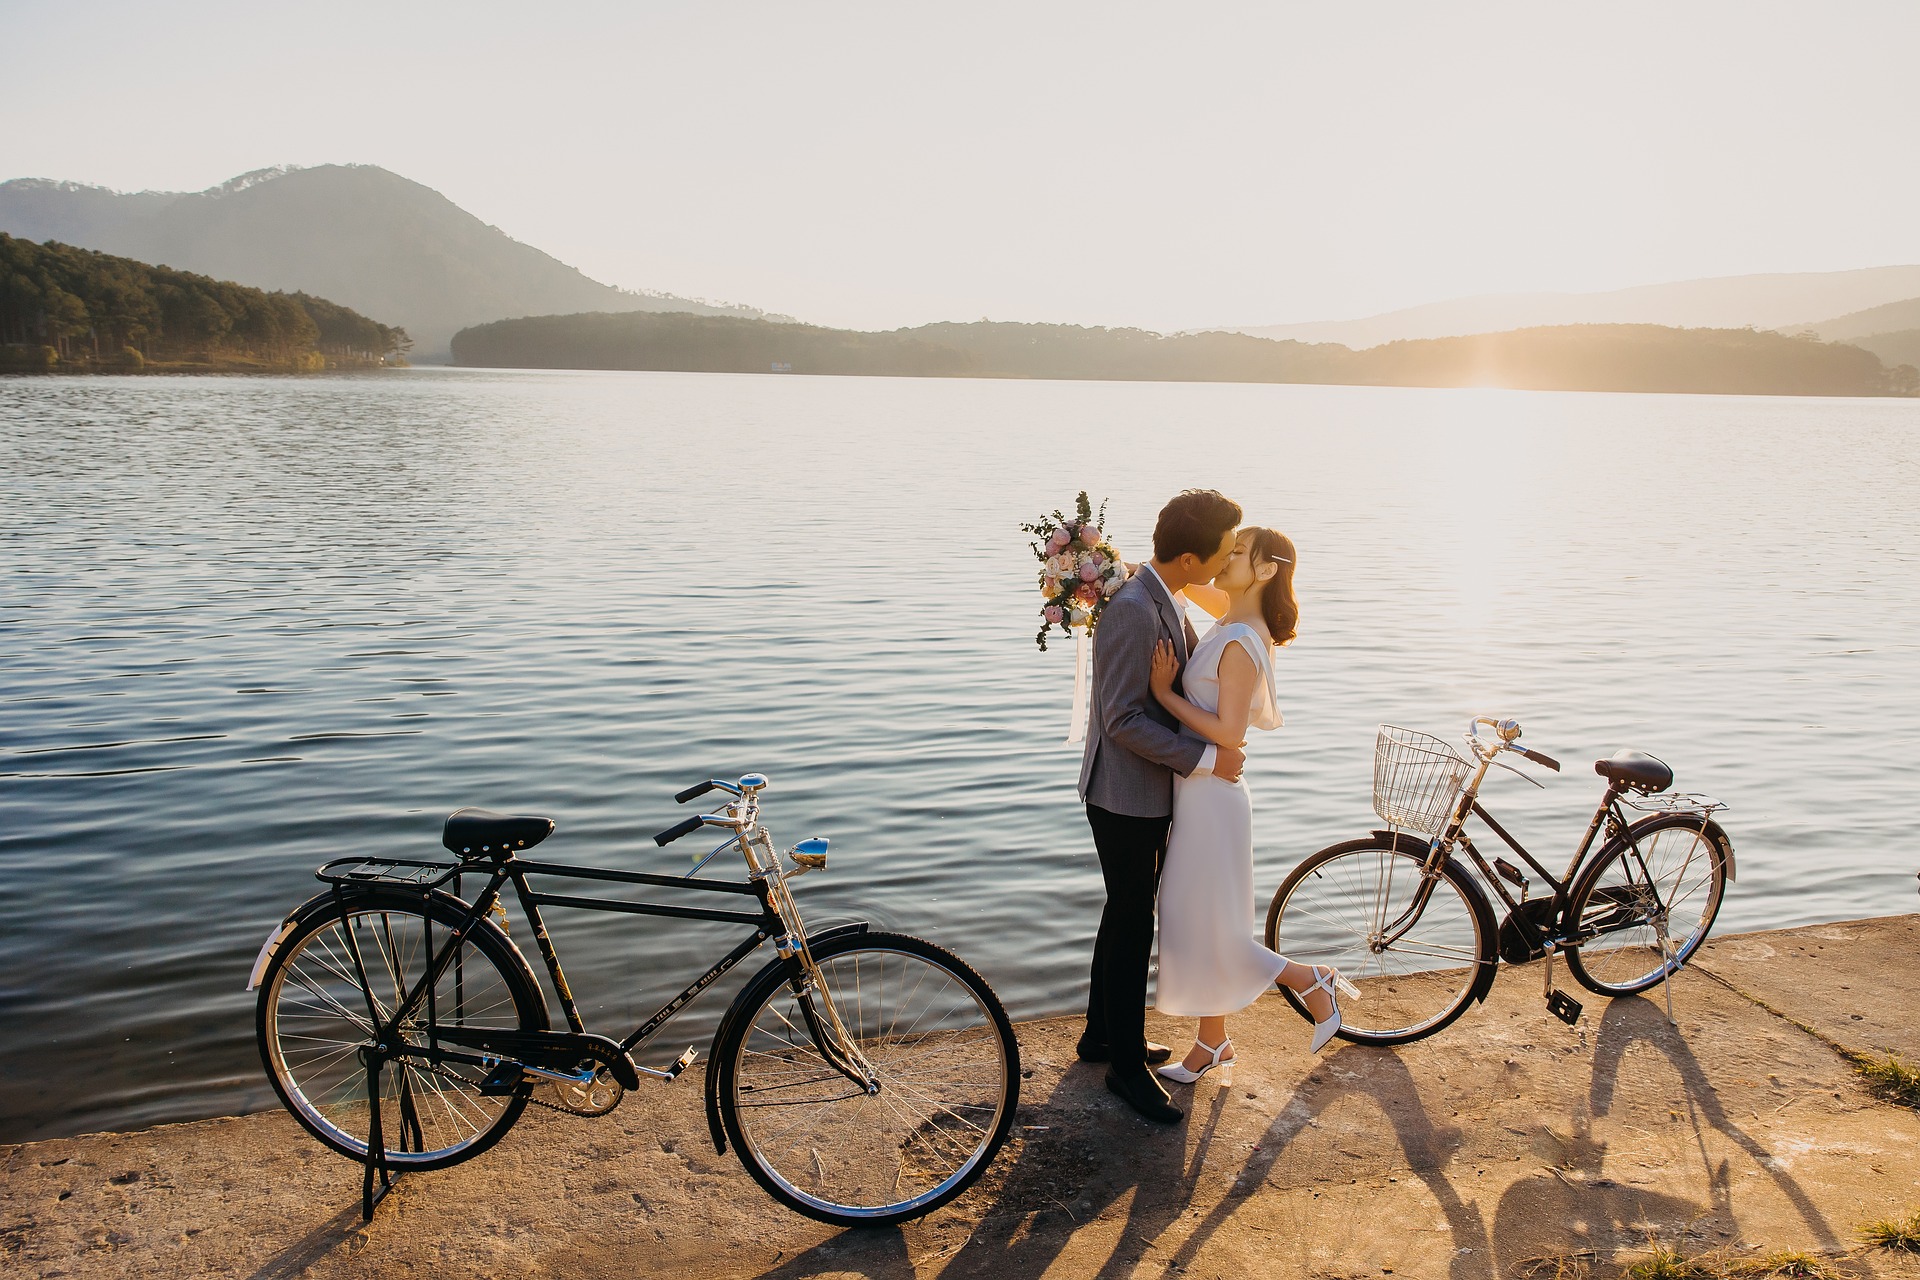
(1666, 972)
(376, 1144)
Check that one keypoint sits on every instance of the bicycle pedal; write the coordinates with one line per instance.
(681, 1063)
(1564, 1007)
(501, 1081)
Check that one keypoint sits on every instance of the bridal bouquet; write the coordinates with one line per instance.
(1079, 569)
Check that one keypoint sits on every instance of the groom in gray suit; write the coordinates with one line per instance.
(1134, 747)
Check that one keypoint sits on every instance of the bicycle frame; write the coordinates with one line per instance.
(1607, 814)
(777, 919)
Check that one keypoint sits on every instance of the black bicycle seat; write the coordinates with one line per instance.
(1636, 769)
(471, 831)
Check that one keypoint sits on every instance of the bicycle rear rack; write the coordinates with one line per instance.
(411, 873)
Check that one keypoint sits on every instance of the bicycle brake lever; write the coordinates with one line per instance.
(1516, 773)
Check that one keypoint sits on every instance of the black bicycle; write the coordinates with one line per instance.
(862, 1077)
(1400, 907)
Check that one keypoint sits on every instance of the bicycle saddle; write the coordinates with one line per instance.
(1635, 769)
(471, 831)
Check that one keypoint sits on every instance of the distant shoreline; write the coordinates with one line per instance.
(1652, 359)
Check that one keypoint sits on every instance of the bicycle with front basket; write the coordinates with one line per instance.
(862, 1077)
(1403, 907)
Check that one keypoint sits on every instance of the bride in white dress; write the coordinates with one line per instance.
(1210, 963)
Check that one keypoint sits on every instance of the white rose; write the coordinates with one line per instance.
(1113, 586)
(1079, 617)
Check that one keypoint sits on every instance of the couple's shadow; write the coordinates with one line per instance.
(1083, 1173)
(1080, 1155)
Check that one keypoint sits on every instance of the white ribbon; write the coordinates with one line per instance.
(1082, 662)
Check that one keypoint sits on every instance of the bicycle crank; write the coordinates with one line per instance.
(593, 1097)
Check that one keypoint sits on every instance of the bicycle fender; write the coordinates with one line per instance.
(279, 935)
(325, 899)
(714, 1126)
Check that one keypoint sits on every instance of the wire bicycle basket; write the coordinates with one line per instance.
(1416, 778)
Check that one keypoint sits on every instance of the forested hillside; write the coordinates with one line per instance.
(62, 307)
(1560, 358)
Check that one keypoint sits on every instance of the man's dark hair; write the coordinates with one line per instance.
(1195, 521)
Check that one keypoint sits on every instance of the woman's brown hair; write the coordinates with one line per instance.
(1277, 602)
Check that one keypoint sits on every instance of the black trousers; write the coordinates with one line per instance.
(1131, 851)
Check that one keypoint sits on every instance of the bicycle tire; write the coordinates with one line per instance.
(1328, 911)
(826, 1147)
(311, 1020)
(1688, 862)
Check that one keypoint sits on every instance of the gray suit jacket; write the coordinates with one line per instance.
(1134, 745)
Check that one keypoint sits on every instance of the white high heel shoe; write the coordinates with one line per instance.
(1178, 1073)
(1328, 979)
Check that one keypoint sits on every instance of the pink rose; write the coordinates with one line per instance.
(1059, 540)
(1053, 613)
(1097, 560)
(1090, 534)
(1089, 571)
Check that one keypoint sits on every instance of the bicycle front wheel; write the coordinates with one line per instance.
(794, 1088)
(313, 1020)
(1668, 879)
(1357, 906)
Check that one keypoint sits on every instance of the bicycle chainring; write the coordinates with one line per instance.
(596, 1099)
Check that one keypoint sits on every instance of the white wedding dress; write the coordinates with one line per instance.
(1210, 964)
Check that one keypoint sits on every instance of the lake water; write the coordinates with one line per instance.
(249, 624)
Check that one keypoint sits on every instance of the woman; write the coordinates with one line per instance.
(1210, 965)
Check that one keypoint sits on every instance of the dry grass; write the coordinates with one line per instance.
(1889, 1078)
(1664, 1262)
(1556, 1266)
(1786, 1262)
(1902, 1233)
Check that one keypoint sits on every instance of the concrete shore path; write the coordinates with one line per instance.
(1507, 1145)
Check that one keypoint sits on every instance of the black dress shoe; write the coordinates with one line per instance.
(1097, 1051)
(1144, 1094)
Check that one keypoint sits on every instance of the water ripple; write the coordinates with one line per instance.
(612, 584)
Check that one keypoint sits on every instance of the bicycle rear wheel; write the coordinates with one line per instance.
(1672, 872)
(1344, 906)
(946, 1078)
(313, 1019)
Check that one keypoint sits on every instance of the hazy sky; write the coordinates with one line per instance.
(1164, 165)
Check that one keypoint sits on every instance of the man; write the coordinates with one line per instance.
(1134, 747)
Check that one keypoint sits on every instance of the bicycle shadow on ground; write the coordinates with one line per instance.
(300, 1256)
(1580, 1202)
(1057, 1175)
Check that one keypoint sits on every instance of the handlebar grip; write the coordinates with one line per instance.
(679, 829)
(1540, 758)
(693, 792)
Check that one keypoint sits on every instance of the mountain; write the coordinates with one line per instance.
(1860, 324)
(357, 234)
(1722, 302)
(1559, 358)
(1891, 332)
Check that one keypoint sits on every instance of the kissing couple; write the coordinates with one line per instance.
(1170, 815)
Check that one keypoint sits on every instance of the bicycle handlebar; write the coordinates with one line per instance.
(1539, 758)
(1509, 730)
(679, 829)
